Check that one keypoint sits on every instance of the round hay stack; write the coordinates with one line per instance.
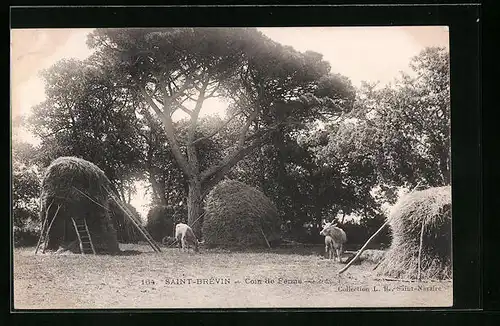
(430, 208)
(237, 215)
(64, 181)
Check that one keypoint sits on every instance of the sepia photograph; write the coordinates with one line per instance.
(231, 167)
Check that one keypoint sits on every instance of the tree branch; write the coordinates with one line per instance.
(218, 129)
(187, 84)
(53, 132)
(191, 150)
(183, 108)
(151, 103)
(168, 126)
(215, 89)
(211, 177)
(244, 130)
(240, 153)
(262, 132)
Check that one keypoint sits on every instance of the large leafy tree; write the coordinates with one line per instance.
(398, 135)
(410, 123)
(269, 88)
(85, 115)
(341, 183)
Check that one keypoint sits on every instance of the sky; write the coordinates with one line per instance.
(360, 53)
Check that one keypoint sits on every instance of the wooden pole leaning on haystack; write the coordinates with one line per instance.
(201, 215)
(420, 249)
(360, 251)
(191, 226)
(265, 238)
(44, 225)
(45, 235)
(50, 225)
(137, 224)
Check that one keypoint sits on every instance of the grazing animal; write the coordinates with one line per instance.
(337, 236)
(329, 247)
(185, 237)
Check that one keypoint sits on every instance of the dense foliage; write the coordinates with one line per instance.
(161, 221)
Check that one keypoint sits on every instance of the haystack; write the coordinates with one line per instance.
(73, 188)
(237, 215)
(421, 231)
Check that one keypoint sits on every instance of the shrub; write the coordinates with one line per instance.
(160, 222)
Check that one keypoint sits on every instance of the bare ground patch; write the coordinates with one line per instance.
(211, 279)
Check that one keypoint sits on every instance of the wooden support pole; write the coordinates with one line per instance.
(50, 226)
(201, 215)
(360, 251)
(78, 235)
(136, 223)
(420, 250)
(44, 225)
(265, 238)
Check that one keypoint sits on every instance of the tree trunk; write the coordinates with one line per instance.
(194, 207)
(158, 190)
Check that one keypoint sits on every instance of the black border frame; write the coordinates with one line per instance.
(464, 22)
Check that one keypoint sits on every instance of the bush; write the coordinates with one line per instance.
(27, 235)
(160, 222)
(25, 205)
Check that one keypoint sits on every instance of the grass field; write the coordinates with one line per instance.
(283, 278)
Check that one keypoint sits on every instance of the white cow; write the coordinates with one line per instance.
(185, 237)
(329, 248)
(338, 238)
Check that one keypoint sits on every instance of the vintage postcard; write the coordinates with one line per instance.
(304, 167)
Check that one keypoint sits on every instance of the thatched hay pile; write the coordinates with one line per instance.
(75, 186)
(431, 209)
(237, 215)
(126, 231)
